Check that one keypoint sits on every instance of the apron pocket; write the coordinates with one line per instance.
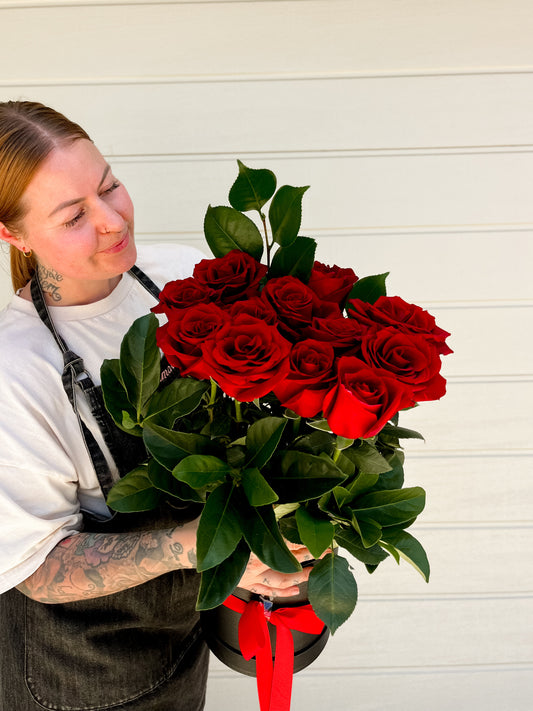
(95, 654)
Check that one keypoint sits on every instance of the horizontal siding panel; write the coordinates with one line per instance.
(407, 633)
(300, 115)
(383, 634)
(477, 417)
(497, 688)
(195, 39)
(430, 269)
(488, 340)
(472, 561)
(425, 267)
(364, 192)
(472, 489)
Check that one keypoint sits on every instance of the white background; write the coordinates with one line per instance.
(412, 120)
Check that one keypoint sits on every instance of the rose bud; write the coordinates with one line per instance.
(363, 399)
(310, 376)
(180, 294)
(247, 358)
(409, 357)
(331, 283)
(181, 339)
(233, 277)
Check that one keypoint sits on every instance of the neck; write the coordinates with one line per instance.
(57, 292)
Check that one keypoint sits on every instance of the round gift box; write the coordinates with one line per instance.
(221, 632)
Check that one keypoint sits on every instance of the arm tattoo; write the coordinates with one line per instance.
(93, 564)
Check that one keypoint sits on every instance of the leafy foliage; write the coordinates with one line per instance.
(263, 474)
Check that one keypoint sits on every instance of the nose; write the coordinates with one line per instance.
(109, 220)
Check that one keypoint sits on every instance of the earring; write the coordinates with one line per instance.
(27, 253)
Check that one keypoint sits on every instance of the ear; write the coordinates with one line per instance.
(8, 236)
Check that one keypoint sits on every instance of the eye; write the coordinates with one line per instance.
(75, 219)
(112, 187)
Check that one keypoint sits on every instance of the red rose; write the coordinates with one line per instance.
(409, 357)
(233, 277)
(363, 400)
(255, 307)
(344, 334)
(331, 283)
(296, 304)
(180, 294)
(247, 358)
(309, 378)
(181, 339)
(394, 311)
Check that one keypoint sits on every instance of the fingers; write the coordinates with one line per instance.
(261, 580)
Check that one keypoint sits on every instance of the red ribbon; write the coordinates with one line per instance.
(274, 679)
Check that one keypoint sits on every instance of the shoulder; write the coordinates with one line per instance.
(168, 261)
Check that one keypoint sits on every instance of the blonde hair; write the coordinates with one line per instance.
(29, 131)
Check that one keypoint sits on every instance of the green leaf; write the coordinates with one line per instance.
(134, 492)
(262, 438)
(219, 582)
(398, 433)
(392, 506)
(179, 398)
(163, 480)
(257, 489)
(289, 529)
(362, 483)
(369, 531)
(367, 459)
(116, 398)
(408, 548)
(219, 530)
(295, 260)
(252, 188)
(316, 442)
(321, 425)
(342, 496)
(170, 447)
(262, 534)
(316, 533)
(285, 214)
(226, 229)
(394, 478)
(351, 541)
(140, 363)
(305, 476)
(201, 471)
(369, 288)
(332, 591)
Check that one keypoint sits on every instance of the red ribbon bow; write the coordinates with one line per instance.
(274, 679)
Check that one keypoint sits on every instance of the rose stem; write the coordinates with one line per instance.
(268, 245)
(238, 412)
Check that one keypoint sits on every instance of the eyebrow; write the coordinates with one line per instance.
(69, 203)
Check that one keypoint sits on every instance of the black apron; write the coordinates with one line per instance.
(139, 649)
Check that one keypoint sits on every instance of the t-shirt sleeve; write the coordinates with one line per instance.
(39, 503)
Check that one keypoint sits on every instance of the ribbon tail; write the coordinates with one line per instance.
(264, 673)
(280, 699)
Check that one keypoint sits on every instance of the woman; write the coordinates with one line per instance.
(97, 611)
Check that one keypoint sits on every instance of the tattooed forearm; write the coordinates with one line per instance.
(94, 564)
(50, 279)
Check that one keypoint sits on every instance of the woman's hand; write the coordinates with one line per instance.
(262, 580)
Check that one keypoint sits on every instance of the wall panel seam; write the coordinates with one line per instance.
(426, 669)
(36, 82)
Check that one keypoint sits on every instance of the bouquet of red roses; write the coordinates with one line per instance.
(282, 421)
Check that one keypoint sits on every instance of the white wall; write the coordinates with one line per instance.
(412, 120)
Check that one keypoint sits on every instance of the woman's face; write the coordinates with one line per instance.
(79, 224)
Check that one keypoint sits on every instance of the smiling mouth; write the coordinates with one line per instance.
(119, 246)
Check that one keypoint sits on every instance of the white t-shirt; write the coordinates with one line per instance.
(46, 474)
